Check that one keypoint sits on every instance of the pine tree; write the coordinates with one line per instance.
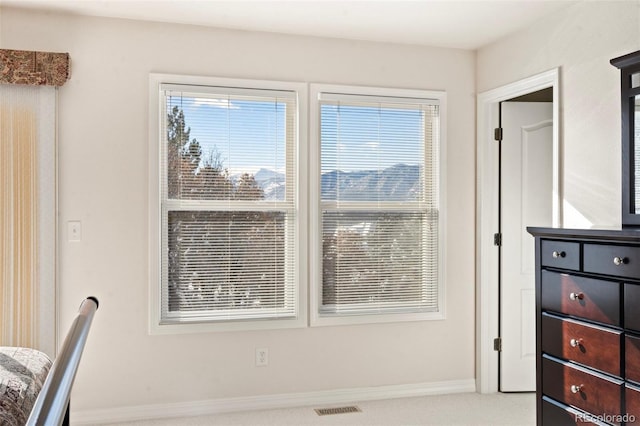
(177, 139)
(247, 188)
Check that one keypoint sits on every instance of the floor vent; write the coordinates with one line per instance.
(337, 410)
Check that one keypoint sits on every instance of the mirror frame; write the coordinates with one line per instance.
(628, 64)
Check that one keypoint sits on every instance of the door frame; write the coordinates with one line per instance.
(487, 255)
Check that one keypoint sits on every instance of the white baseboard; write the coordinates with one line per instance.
(266, 402)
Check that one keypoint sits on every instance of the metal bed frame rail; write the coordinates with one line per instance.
(52, 405)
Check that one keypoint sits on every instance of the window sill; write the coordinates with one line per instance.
(318, 320)
(156, 328)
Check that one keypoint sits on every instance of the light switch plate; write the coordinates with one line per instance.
(74, 231)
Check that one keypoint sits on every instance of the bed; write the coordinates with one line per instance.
(23, 372)
(33, 389)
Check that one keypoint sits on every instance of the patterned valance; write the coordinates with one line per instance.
(33, 68)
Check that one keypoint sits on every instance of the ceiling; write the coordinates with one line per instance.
(468, 24)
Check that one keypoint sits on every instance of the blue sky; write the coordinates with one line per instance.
(250, 135)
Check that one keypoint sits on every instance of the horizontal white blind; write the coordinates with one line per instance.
(228, 203)
(221, 146)
(379, 203)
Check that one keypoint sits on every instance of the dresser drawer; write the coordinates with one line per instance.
(632, 306)
(589, 298)
(556, 414)
(620, 261)
(560, 254)
(582, 388)
(596, 347)
(632, 404)
(632, 356)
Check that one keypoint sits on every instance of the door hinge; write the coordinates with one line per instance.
(497, 344)
(497, 133)
(497, 239)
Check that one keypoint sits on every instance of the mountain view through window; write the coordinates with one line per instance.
(230, 203)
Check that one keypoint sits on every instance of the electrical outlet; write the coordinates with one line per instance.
(262, 357)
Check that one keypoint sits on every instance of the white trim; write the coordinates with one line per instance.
(267, 402)
(390, 100)
(220, 89)
(317, 89)
(47, 216)
(156, 81)
(319, 92)
(487, 309)
(58, 242)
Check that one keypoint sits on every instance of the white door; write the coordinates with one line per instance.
(526, 200)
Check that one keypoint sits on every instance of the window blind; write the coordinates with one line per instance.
(379, 203)
(27, 216)
(228, 204)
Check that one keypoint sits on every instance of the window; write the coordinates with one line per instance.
(377, 201)
(228, 205)
(229, 233)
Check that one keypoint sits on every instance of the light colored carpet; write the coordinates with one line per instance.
(517, 409)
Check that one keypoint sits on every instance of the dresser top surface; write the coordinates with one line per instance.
(615, 234)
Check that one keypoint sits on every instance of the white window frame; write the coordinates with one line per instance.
(315, 209)
(156, 248)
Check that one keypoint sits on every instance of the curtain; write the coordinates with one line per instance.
(27, 216)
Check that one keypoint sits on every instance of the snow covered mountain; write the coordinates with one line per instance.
(400, 182)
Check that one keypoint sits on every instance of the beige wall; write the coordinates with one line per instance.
(103, 181)
(103, 150)
(580, 40)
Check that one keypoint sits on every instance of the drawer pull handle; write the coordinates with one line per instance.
(575, 343)
(576, 296)
(620, 260)
(576, 388)
(558, 254)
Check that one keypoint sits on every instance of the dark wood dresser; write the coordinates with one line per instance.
(587, 326)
